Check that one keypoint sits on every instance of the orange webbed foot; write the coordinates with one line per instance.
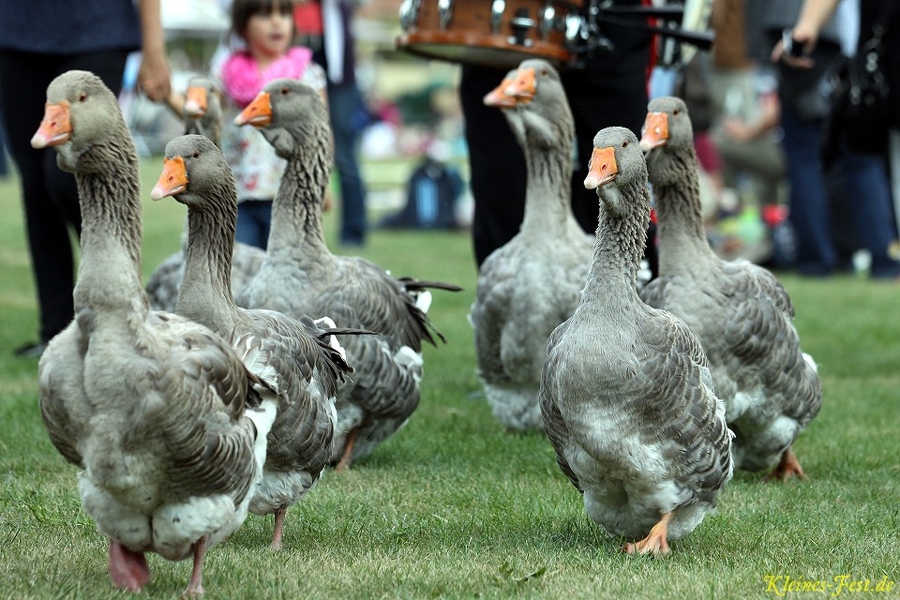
(128, 570)
(655, 543)
(788, 467)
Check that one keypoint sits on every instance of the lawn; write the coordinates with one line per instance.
(454, 507)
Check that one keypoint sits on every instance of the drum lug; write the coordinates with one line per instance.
(445, 12)
(409, 13)
(520, 25)
(497, 9)
(548, 21)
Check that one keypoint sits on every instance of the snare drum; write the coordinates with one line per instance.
(497, 33)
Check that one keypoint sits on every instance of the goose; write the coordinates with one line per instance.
(300, 275)
(299, 359)
(202, 114)
(740, 311)
(626, 392)
(531, 284)
(168, 427)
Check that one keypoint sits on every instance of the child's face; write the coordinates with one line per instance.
(269, 34)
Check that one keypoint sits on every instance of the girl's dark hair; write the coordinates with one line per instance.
(242, 10)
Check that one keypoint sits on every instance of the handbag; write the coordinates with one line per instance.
(859, 99)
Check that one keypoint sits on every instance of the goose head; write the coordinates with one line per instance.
(498, 97)
(287, 113)
(541, 102)
(76, 118)
(202, 110)
(617, 170)
(195, 173)
(666, 136)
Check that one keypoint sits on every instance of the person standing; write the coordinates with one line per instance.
(263, 33)
(36, 45)
(811, 25)
(325, 26)
(611, 89)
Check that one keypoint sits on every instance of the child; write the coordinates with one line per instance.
(266, 29)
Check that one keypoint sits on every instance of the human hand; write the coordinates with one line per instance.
(736, 129)
(801, 36)
(154, 77)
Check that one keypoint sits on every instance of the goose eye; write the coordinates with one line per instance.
(624, 144)
(82, 97)
(284, 91)
(196, 154)
(677, 111)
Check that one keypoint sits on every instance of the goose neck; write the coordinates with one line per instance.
(109, 196)
(547, 192)
(619, 246)
(297, 210)
(680, 230)
(205, 295)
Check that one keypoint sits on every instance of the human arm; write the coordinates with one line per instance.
(153, 75)
(813, 16)
(769, 118)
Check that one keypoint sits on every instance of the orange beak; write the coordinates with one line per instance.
(602, 169)
(195, 102)
(523, 87)
(497, 97)
(55, 128)
(655, 131)
(172, 181)
(258, 113)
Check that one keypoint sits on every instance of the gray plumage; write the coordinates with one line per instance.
(301, 276)
(740, 311)
(626, 394)
(298, 358)
(156, 410)
(532, 283)
(202, 115)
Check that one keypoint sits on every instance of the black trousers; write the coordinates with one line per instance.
(497, 164)
(49, 195)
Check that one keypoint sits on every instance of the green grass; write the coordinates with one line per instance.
(453, 507)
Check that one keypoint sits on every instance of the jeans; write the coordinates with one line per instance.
(49, 195)
(867, 184)
(344, 102)
(254, 219)
(865, 181)
(810, 212)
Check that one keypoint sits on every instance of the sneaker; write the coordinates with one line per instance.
(30, 350)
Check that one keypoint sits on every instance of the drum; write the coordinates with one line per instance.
(496, 33)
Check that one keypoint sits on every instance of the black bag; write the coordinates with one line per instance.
(860, 108)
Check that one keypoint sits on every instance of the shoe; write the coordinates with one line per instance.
(30, 350)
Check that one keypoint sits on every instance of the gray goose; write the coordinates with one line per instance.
(626, 392)
(301, 276)
(202, 115)
(532, 283)
(300, 360)
(156, 410)
(740, 311)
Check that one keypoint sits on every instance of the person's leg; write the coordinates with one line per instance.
(45, 219)
(253, 220)
(496, 164)
(809, 205)
(596, 103)
(872, 210)
(345, 102)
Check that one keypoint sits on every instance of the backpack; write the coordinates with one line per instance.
(431, 195)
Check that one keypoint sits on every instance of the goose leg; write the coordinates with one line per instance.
(347, 457)
(279, 527)
(195, 586)
(128, 570)
(655, 541)
(787, 467)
